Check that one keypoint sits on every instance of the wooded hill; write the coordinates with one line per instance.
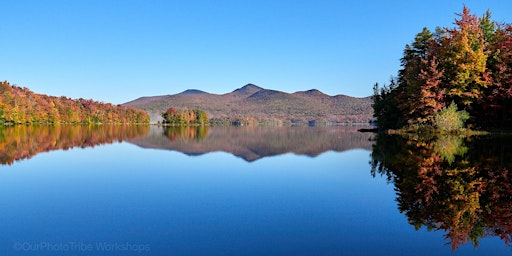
(255, 104)
(21, 106)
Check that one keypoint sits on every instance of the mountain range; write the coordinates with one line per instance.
(252, 102)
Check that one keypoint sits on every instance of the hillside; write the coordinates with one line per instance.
(252, 102)
(22, 106)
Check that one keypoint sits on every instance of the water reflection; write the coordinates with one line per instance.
(174, 133)
(253, 143)
(23, 142)
(461, 185)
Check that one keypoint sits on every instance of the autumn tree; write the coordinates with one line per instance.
(20, 105)
(409, 80)
(202, 117)
(469, 65)
(185, 117)
(465, 60)
(419, 91)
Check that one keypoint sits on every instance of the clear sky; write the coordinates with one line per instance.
(116, 51)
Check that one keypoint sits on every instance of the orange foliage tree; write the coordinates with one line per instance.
(20, 105)
(470, 65)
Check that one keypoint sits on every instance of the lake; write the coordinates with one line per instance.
(141, 190)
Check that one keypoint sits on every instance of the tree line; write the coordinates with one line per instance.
(185, 116)
(452, 76)
(21, 106)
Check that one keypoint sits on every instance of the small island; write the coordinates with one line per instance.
(185, 117)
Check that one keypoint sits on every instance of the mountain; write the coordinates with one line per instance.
(252, 102)
(247, 90)
(192, 91)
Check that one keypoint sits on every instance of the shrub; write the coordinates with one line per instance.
(450, 119)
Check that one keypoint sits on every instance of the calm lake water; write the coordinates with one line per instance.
(138, 190)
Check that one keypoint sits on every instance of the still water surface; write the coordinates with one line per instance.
(136, 190)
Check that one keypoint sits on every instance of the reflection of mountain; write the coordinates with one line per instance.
(461, 186)
(23, 142)
(253, 143)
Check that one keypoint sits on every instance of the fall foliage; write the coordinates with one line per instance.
(469, 65)
(22, 106)
(185, 117)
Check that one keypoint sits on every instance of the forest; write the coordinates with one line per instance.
(21, 106)
(452, 78)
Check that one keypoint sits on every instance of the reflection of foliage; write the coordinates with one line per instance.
(449, 146)
(186, 132)
(443, 184)
(23, 142)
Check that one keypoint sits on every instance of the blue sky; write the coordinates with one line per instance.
(116, 51)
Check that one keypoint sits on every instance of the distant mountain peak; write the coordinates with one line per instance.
(315, 92)
(267, 93)
(312, 92)
(192, 91)
(248, 89)
(249, 85)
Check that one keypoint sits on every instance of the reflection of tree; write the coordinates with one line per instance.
(23, 142)
(186, 132)
(442, 183)
(449, 146)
